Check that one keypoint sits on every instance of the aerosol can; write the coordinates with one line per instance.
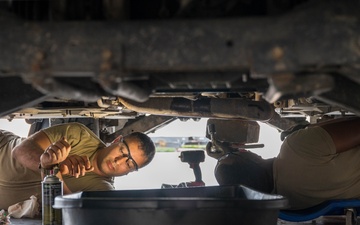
(51, 187)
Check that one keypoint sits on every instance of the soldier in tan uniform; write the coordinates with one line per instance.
(315, 164)
(85, 162)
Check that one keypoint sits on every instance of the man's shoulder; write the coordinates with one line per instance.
(73, 127)
(312, 142)
(75, 133)
(62, 125)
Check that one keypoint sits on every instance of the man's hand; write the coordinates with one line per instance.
(55, 153)
(76, 166)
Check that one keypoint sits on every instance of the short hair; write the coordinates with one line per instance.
(145, 144)
(243, 168)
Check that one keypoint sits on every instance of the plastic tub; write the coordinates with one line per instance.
(227, 205)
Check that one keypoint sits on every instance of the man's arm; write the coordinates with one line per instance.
(345, 133)
(38, 150)
(29, 152)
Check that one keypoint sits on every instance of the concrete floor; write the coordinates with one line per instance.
(25, 221)
(336, 220)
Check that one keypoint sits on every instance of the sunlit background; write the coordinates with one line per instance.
(167, 167)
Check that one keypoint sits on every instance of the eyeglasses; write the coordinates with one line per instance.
(130, 160)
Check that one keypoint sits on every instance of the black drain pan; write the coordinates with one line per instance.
(214, 205)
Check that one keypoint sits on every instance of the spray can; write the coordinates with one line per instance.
(51, 187)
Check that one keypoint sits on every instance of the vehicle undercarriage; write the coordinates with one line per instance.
(138, 65)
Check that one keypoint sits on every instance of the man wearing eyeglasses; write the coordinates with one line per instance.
(85, 162)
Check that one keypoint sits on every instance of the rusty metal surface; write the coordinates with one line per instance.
(345, 94)
(145, 124)
(315, 43)
(237, 131)
(299, 40)
(304, 37)
(211, 108)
